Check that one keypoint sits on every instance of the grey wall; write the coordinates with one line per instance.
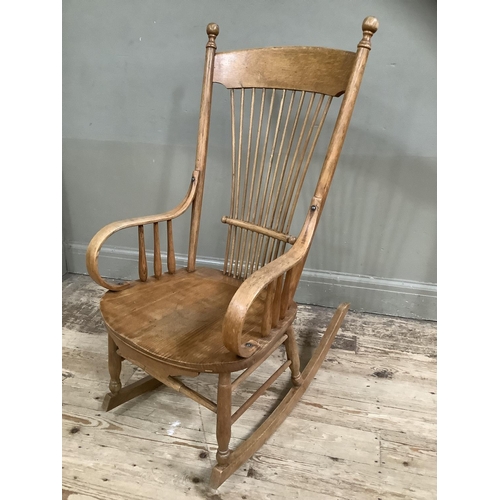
(131, 89)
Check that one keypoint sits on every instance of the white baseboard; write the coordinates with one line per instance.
(407, 299)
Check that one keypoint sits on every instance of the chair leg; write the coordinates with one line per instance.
(292, 353)
(118, 394)
(245, 450)
(223, 418)
(114, 366)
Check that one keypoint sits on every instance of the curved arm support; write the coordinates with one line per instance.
(101, 236)
(234, 318)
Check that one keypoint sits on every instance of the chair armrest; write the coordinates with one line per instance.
(237, 310)
(102, 235)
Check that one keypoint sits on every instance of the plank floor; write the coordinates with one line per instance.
(365, 429)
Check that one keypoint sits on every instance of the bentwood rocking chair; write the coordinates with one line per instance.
(188, 321)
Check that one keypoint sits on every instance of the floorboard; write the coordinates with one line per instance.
(364, 430)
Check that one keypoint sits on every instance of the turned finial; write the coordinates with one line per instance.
(370, 26)
(212, 32)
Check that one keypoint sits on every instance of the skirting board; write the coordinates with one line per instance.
(406, 299)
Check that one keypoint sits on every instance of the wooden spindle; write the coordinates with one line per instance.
(239, 207)
(299, 156)
(258, 393)
(223, 418)
(275, 196)
(268, 193)
(143, 263)
(278, 202)
(178, 386)
(268, 309)
(244, 210)
(291, 282)
(232, 231)
(308, 161)
(254, 256)
(170, 248)
(252, 210)
(157, 251)
(277, 302)
(302, 167)
(292, 173)
(265, 198)
(285, 294)
(256, 365)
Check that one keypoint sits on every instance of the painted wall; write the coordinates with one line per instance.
(131, 89)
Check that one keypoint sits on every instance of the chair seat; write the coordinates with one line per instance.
(177, 320)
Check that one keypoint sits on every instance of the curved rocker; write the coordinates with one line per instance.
(239, 456)
(194, 320)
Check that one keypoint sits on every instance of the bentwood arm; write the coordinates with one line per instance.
(242, 300)
(102, 235)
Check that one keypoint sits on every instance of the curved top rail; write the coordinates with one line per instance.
(311, 69)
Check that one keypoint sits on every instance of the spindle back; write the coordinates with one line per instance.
(279, 100)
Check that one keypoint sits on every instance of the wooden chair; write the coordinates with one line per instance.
(194, 320)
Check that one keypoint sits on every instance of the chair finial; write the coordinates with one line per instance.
(212, 32)
(370, 26)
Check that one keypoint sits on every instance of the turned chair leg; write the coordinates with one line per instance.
(292, 353)
(118, 394)
(115, 367)
(223, 418)
(302, 380)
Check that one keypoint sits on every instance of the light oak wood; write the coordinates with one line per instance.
(241, 378)
(195, 396)
(259, 229)
(115, 367)
(235, 317)
(131, 391)
(326, 448)
(277, 302)
(315, 69)
(140, 316)
(157, 250)
(223, 418)
(200, 321)
(202, 145)
(263, 388)
(143, 263)
(267, 316)
(292, 353)
(101, 236)
(222, 471)
(170, 248)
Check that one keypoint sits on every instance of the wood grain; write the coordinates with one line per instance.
(157, 250)
(326, 449)
(143, 263)
(221, 472)
(96, 243)
(315, 69)
(141, 316)
(259, 229)
(202, 142)
(203, 321)
(170, 248)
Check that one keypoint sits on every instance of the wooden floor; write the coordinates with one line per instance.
(365, 429)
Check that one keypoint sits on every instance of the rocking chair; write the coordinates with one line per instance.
(193, 320)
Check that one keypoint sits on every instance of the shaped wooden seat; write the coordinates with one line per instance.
(177, 319)
(194, 320)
